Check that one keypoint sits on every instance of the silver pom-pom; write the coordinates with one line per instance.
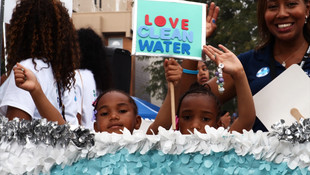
(298, 132)
(43, 131)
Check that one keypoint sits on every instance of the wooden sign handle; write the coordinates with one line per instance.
(171, 86)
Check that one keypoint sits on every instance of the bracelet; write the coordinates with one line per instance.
(193, 72)
(220, 79)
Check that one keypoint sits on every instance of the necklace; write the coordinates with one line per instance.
(284, 61)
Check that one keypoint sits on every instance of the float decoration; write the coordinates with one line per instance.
(218, 152)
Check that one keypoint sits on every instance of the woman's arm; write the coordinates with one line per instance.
(25, 79)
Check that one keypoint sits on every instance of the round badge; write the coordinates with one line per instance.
(263, 72)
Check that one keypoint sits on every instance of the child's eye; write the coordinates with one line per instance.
(186, 117)
(103, 114)
(205, 119)
(123, 111)
(204, 69)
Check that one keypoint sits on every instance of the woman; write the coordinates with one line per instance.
(284, 33)
(42, 38)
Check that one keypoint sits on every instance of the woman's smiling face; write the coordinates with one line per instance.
(285, 19)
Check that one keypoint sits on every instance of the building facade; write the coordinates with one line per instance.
(112, 19)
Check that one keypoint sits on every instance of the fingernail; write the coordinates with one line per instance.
(213, 20)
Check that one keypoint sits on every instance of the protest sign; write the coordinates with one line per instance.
(169, 28)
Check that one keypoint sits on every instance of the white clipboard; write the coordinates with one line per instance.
(274, 102)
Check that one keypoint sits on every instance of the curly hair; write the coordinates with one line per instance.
(93, 58)
(42, 29)
(196, 88)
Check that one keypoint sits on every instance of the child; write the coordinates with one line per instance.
(199, 107)
(115, 110)
(203, 74)
(41, 37)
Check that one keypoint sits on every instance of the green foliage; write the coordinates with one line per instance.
(236, 25)
(157, 85)
(236, 30)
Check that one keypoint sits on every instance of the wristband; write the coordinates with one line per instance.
(193, 72)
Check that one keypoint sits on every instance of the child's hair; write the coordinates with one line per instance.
(205, 62)
(131, 100)
(205, 89)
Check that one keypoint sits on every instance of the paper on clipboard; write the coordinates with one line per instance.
(291, 89)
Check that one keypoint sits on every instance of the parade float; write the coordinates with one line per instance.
(41, 147)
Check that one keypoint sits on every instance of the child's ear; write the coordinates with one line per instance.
(95, 127)
(138, 122)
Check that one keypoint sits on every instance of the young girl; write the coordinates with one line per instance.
(114, 111)
(203, 74)
(199, 106)
(42, 38)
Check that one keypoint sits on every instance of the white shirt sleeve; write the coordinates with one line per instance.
(13, 96)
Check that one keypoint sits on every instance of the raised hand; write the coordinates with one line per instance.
(232, 65)
(25, 78)
(211, 18)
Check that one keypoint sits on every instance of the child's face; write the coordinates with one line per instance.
(114, 113)
(196, 111)
(203, 74)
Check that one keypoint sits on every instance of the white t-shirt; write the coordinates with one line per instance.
(85, 89)
(11, 95)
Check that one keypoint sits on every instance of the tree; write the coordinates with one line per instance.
(236, 29)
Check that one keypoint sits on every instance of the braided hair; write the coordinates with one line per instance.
(130, 99)
(205, 89)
